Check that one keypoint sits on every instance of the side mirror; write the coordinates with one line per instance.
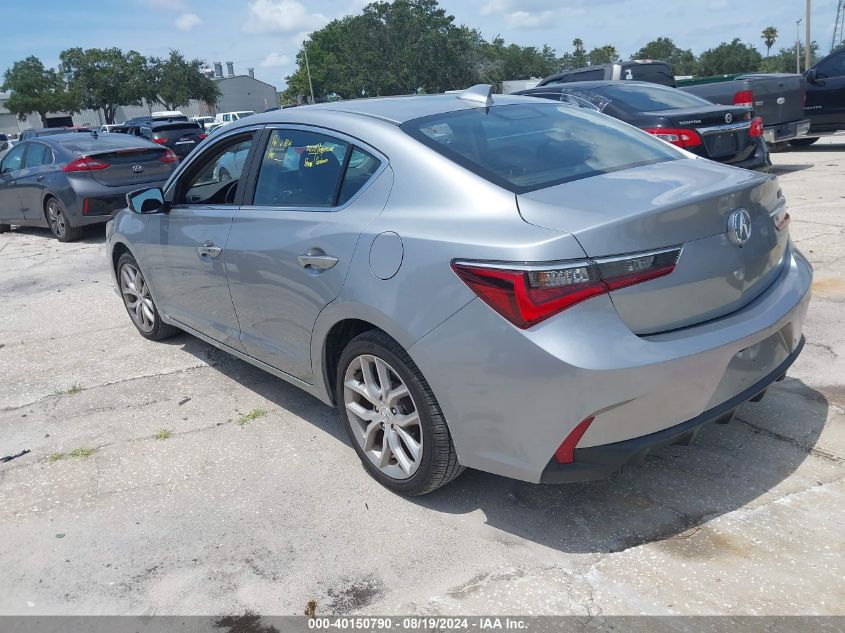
(810, 76)
(149, 200)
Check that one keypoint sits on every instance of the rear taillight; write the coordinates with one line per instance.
(681, 138)
(744, 98)
(160, 140)
(85, 164)
(528, 294)
(202, 135)
(169, 157)
(756, 129)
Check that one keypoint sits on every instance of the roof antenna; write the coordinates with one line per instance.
(479, 93)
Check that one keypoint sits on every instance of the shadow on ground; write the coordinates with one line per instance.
(94, 234)
(674, 490)
(782, 170)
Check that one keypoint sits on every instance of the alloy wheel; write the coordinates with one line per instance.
(136, 296)
(383, 416)
(56, 219)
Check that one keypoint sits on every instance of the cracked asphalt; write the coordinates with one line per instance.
(184, 507)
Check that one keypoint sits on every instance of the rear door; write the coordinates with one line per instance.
(10, 168)
(292, 241)
(32, 179)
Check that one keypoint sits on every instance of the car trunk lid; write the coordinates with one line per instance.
(136, 165)
(684, 203)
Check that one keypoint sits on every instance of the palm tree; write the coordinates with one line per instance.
(769, 35)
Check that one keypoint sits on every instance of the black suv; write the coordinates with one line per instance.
(825, 104)
(180, 136)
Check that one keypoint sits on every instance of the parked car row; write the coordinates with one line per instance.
(498, 282)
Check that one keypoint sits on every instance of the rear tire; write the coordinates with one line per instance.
(398, 430)
(803, 142)
(138, 301)
(5, 228)
(58, 222)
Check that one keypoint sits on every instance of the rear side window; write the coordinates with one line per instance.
(526, 147)
(360, 169)
(37, 155)
(301, 169)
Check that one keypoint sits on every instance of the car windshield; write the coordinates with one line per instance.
(527, 147)
(649, 98)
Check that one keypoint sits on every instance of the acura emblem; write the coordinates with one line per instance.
(729, 117)
(137, 168)
(739, 227)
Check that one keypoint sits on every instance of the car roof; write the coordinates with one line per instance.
(396, 110)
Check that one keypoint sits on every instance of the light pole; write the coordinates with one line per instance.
(308, 69)
(798, 46)
(807, 36)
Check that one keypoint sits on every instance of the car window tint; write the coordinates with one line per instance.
(13, 160)
(526, 147)
(300, 169)
(359, 170)
(633, 98)
(37, 155)
(589, 75)
(655, 73)
(833, 67)
(215, 178)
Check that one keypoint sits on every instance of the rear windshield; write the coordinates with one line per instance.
(655, 73)
(170, 127)
(648, 98)
(532, 146)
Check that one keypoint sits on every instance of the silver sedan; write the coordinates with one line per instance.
(500, 283)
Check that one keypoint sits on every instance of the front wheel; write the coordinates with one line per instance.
(392, 417)
(803, 142)
(138, 300)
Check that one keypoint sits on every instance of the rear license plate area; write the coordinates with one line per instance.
(723, 144)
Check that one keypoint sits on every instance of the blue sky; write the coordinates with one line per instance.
(265, 34)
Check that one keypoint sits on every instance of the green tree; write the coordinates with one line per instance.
(769, 36)
(38, 89)
(579, 53)
(104, 79)
(399, 47)
(664, 49)
(784, 60)
(606, 54)
(177, 80)
(729, 58)
(500, 62)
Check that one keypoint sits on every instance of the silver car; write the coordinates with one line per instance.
(507, 284)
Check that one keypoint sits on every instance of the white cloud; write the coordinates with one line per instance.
(275, 60)
(281, 16)
(526, 20)
(187, 21)
(495, 6)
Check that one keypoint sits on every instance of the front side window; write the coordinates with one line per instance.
(215, 178)
(13, 160)
(833, 67)
(38, 155)
(526, 147)
(300, 169)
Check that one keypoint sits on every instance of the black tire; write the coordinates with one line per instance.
(803, 142)
(59, 223)
(5, 228)
(439, 461)
(160, 330)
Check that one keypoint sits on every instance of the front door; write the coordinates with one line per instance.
(183, 252)
(10, 169)
(826, 97)
(291, 246)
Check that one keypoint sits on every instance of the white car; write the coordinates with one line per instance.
(108, 128)
(204, 121)
(229, 117)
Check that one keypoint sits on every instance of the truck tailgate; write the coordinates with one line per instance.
(778, 98)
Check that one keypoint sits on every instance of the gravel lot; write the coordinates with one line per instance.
(228, 513)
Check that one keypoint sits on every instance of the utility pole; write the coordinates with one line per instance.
(308, 69)
(798, 46)
(807, 39)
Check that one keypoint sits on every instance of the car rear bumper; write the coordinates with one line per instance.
(102, 202)
(786, 131)
(512, 396)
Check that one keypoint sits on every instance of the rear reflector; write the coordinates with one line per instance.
(85, 206)
(756, 129)
(85, 164)
(169, 157)
(526, 294)
(681, 138)
(565, 453)
(744, 98)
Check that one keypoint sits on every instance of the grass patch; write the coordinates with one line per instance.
(54, 457)
(70, 391)
(252, 415)
(163, 434)
(82, 453)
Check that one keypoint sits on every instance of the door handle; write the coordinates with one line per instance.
(40, 178)
(208, 249)
(316, 259)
